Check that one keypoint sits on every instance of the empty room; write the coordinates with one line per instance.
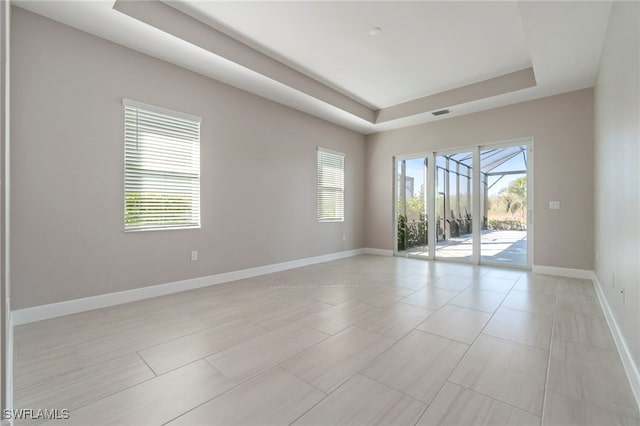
(320, 212)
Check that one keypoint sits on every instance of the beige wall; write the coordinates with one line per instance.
(562, 129)
(617, 180)
(258, 166)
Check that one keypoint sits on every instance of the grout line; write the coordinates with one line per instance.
(497, 400)
(464, 355)
(235, 386)
(147, 364)
(121, 390)
(546, 376)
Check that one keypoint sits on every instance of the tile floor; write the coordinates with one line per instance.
(363, 340)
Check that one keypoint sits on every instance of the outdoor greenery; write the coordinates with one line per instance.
(412, 228)
(147, 208)
(507, 210)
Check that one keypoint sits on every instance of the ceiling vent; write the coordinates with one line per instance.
(441, 112)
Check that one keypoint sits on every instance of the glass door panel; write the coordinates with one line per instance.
(503, 190)
(454, 183)
(411, 208)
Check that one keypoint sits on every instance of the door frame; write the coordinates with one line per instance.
(394, 196)
(476, 258)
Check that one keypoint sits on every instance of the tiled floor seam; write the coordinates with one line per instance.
(145, 363)
(546, 376)
(237, 385)
(119, 390)
(496, 399)
(358, 371)
(465, 354)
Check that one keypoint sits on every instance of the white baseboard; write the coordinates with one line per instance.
(584, 274)
(378, 252)
(623, 350)
(53, 310)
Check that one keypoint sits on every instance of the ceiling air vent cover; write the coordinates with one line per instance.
(441, 112)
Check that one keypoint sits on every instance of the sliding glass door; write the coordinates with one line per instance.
(454, 206)
(412, 238)
(504, 206)
(472, 205)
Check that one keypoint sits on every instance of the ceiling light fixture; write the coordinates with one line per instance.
(375, 31)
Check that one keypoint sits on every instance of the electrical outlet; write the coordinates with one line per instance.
(344, 237)
(194, 256)
(554, 205)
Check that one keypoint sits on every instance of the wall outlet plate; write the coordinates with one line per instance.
(554, 205)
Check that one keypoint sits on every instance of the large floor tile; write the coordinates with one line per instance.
(394, 321)
(81, 387)
(156, 401)
(338, 317)
(287, 312)
(34, 368)
(331, 362)
(490, 283)
(62, 331)
(577, 286)
(585, 330)
(362, 401)
(387, 296)
(455, 406)
(507, 371)
(522, 327)
(238, 308)
(418, 365)
(530, 302)
(254, 356)
(472, 272)
(274, 398)
(336, 294)
(412, 282)
(487, 301)
(452, 282)
(505, 273)
(590, 375)
(430, 297)
(175, 353)
(456, 323)
(561, 410)
(578, 304)
(536, 283)
(121, 343)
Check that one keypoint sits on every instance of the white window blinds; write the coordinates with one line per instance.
(330, 191)
(162, 168)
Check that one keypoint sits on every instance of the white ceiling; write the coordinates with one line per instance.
(424, 47)
(327, 64)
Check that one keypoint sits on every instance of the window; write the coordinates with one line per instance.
(330, 186)
(161, 168)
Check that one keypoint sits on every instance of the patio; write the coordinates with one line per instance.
(509, 247)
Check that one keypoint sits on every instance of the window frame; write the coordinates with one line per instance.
(195, 199)
(342, 190)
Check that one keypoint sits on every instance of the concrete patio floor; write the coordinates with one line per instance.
(508, 247)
